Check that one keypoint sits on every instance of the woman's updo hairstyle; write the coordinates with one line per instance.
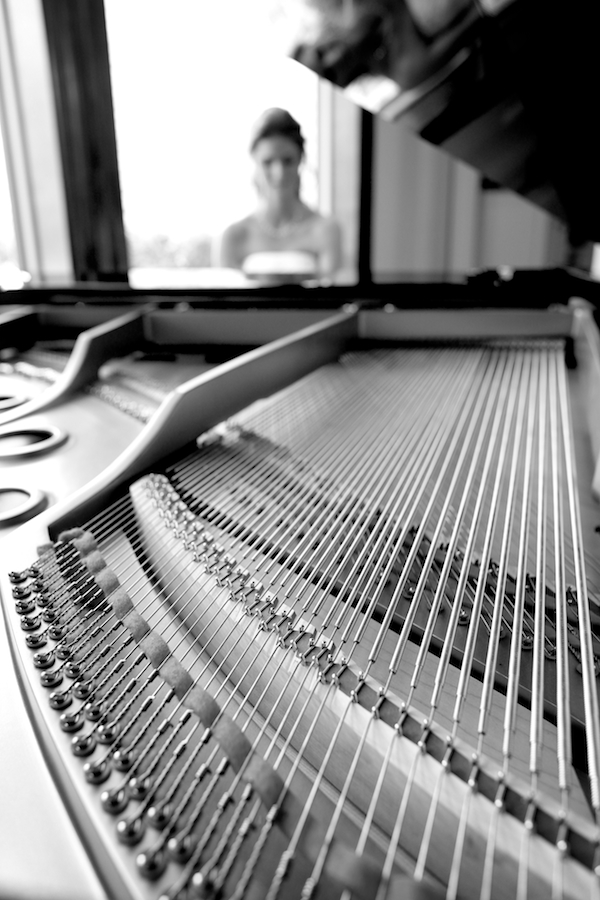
(277, 122)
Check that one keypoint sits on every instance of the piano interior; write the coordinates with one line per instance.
(301, 588)
(320, 647)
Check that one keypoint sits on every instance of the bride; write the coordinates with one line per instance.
(283, 239)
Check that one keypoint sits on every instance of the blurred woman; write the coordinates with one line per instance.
(283, 239)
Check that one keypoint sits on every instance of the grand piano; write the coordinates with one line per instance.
(300, 586)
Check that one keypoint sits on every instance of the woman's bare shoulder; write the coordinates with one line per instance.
(240, 228)
(233, 243)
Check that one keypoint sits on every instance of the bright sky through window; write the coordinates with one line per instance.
(189, 78)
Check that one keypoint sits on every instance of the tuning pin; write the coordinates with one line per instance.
(56, 632)
(97, 772)
(202, 886)
(130, 831)
(108, 732)
(35, 641)
(24, 606)
(93, 712)
(83, 744)
(114, 800)
(60, 699)
(71, 721)
(123, 759)
(151, 863)
(63, 651)
(72, 670)
(138, 787)
(51, 678)
(82, 690)
(30, 623)
(159, 815)
(44, 659)
(49, 614)
(18, 577)
(181, 847)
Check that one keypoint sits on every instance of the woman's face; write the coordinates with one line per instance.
(277, 160)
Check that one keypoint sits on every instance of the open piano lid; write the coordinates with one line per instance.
(507, 86)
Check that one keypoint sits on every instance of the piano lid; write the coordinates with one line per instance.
(508, 86)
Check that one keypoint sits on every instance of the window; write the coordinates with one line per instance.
(39, 232)
(189, 78)
(10, 273)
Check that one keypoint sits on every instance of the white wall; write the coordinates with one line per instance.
(514, 232)
(339, 172)
(431, 216)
